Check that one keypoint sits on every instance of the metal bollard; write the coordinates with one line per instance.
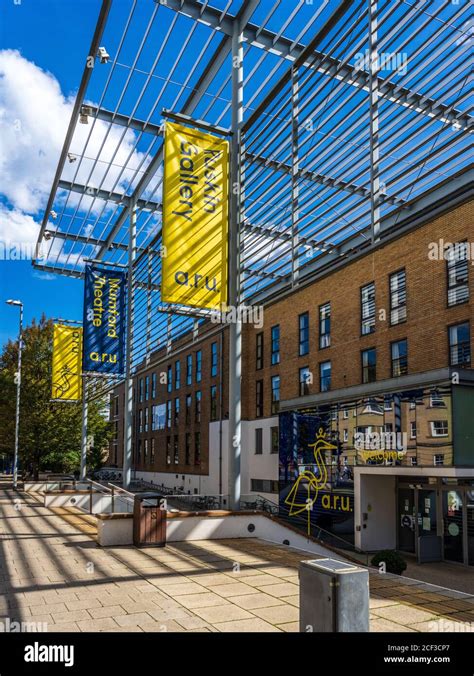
(334, 596)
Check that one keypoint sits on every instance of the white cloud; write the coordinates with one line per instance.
(34, 115)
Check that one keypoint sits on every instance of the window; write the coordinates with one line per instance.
(176, 412)
(147, 388)
(275, 344)
(189, 403)
(436, 400)
(458, 274)
(345, 414)
(259, 351)
(140, 421)
(187, 449)
(146, 418)
(177, 375)
(345, 435)
(258, 441)
(274, 436)
(398, 297)
(325, 376)
(197, 448)
(189, 369)
(176, 450)
(140, 390)
(275, 394)
(413, 461)
(168, 450)
(303, 326)
(369, 365)
(413, 429)
(139, 451)
(367, 308)
(263, 486)
(168, 414)
(387, 402)
(197, 407)
(259, 398)
(439, 428)
(198, 366)
(116, 406)
(304, 381)
(152, 452)
(460, 345)
(170, 379)
(213, 360)
(158, 417)
(153, 385)
(213, 402)
(324, 326)
(438, 460)
(145, 450)
(399, 351)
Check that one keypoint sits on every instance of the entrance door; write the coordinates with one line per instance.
(453, 525)
(406, 520)
(470, 526)
(426, 512)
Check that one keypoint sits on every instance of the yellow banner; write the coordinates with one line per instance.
(195, 218)
(67, 363)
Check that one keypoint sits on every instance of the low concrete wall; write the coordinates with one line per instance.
(43, 486)
(101, 502)
(117, 529)
(114, 529)
(79, 499)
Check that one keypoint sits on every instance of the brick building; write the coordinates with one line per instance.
(373, 344)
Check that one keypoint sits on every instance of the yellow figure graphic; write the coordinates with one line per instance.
(310, 481)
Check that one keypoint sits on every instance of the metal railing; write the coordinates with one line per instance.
(260, 503)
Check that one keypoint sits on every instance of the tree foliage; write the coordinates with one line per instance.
(50, 432)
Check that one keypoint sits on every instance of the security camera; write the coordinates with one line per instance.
(53, 215)
(102, 55)
(72, 158)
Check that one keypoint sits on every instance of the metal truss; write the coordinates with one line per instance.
(334, 147)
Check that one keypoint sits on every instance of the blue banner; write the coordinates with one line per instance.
(104, 321)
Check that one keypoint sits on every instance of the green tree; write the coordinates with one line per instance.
(50, 432)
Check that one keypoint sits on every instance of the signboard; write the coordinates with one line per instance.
(104, 320)
(67, 363)
(195, 218)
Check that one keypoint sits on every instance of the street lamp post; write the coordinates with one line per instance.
(19, 304)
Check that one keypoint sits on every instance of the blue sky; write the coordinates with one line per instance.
(53, 34)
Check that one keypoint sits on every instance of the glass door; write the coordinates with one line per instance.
(453, 525)
(406, 520)
(426, 512)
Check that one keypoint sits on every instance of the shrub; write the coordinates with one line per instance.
(394, 562)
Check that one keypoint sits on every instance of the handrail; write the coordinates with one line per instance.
(302, 520)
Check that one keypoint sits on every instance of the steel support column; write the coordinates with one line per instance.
(128, 418)
(235, 329)
(295, 169)
(374, 122)
(85, 412)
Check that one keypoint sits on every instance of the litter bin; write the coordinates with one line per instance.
(334, 596)
(149, 520)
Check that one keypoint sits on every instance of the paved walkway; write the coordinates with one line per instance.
(53, 572)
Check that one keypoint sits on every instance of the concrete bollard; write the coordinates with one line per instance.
(334, 596)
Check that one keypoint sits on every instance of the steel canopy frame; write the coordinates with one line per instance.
(328, 148)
